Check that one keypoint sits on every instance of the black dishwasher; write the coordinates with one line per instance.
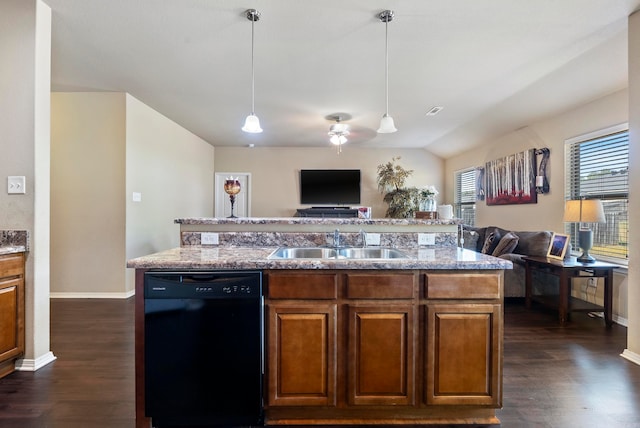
(203, 348)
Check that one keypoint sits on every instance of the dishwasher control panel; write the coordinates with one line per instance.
(223, 284)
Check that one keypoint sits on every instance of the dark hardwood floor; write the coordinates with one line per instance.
(554, 376)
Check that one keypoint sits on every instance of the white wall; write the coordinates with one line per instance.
(106, 146)
(275, 173)
(172, 169)
(552, 133)
(25, 55)
(87, 193)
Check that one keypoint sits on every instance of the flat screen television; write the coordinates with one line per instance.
(329, 186)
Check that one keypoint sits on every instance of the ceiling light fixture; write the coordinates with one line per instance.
(338, 133)
(252, 123)
(386, 123)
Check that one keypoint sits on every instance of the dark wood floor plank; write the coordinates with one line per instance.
(554, 376)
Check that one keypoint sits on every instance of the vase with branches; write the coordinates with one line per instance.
(402, 201)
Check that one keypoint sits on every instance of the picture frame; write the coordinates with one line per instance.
(511, 179)
(558, 246)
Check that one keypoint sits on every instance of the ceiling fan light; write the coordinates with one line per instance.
(338, 139)
(386, 125)
(252, 124)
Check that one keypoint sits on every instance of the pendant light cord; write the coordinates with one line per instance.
(253, 82)
(386, 65)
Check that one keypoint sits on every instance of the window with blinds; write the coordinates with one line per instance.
(597, 167)
(465, 195)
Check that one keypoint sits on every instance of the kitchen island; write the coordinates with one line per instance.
(416, 340)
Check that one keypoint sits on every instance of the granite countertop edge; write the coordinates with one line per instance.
(12, 249)
(205, 257)
(312, 220)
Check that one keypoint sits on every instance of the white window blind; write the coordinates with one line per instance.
(465, 195)
(598, 168)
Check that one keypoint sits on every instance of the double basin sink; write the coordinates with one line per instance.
(351, 253)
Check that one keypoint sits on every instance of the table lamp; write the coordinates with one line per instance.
(584, 211)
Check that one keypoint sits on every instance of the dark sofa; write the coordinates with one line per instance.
(528, 243)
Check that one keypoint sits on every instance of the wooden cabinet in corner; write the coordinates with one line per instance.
(463, 356)
(11, 311)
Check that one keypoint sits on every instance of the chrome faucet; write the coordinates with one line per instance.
(363, 237)
(336, 238)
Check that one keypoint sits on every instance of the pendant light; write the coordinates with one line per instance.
(386, 123)
(252, 123)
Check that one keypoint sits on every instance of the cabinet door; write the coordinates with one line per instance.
(11, 323)
(464, 351)
(381, 362)
(302, 354)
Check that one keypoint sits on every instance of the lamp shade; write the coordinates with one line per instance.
(252, 124)
(386, 125)
(584, 211)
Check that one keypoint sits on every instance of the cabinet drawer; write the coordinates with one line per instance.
(302, 286)
(11, 265)
(381, 286)
(463, 285)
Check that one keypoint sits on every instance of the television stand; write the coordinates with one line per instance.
(329, 212)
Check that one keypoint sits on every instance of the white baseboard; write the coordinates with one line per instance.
(631, 356)
(619, 320)
(30, 365)
(90, 295)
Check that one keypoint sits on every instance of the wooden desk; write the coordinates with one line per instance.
(565, 270)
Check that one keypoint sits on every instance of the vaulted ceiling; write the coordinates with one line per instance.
(494, 65)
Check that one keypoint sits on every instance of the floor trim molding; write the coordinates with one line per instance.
(31, 365)
(631, 356)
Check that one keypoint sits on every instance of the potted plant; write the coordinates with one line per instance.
(403, 202)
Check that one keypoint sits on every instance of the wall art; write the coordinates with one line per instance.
(512, 179)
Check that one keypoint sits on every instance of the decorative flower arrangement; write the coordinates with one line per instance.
(429, 191)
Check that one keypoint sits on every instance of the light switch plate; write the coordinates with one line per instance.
(16, 184)
(373, 239)
(208, 238)
(426, 239)
(136, 197)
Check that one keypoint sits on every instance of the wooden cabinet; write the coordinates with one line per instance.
(381, 338)
(11, 311)
(403, 346)
(302, 342)
(463, 357)
(381, 361)
(463, 332)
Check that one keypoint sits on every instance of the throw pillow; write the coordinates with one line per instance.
(491, 242)
(470, 239)
(507, 244)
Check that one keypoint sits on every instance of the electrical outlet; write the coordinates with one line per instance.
(591, 282)
(426, 239)
(373, 239)
(208, 238)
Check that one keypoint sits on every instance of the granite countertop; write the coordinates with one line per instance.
(13, 249)
(313, 221)
(205, 257)
(14, 241)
